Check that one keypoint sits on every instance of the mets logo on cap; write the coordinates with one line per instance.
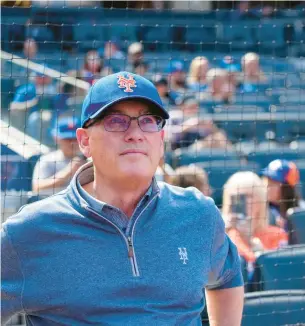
(126, 83)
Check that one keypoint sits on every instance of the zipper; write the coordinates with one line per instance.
(132, 232)
(128, 240)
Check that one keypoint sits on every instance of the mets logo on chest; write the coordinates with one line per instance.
(126, 83)
(183, 255)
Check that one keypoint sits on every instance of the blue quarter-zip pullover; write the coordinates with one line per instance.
(64, 263)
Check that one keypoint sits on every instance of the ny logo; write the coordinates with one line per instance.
(183, 254)
(126, 83)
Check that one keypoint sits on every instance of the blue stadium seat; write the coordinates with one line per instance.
(270, 36)
(296, 220)
(219, 172)
(242, 130)
(282, 269)
(201, 37)
(276, 308)
(16, 171)
(88, 37)
(7, 92)
(264, 156)
(239, 36)
(258, 99)
(237, 108)
(158, 37)
(183, 156)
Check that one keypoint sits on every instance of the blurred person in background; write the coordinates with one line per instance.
(164, 172)
(161, 84)
(186, 127)
(196, 80)
(93, 68)
(135, 56)
(30, 49)
(246, 215)
(112, 51)
(220, 87)
(53, 171)
(192, 176)
(23, 105)
(251, 75)
(141, 68)
(281, 178)
(176, 78)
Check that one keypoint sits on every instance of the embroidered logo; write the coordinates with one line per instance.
(183, 254)
(126, 83)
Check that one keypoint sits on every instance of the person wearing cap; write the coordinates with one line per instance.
(176, 78)
(161, 84)
(281, 178)
(24, 103)
(117, 247)
(246, 216)
(53, 171)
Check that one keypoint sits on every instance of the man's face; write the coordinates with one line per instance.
(123, 155)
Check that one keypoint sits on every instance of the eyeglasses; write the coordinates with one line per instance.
(121, 122)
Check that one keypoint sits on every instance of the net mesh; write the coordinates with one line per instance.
(232, 76)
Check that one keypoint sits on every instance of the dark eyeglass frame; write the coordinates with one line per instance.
(101, 118)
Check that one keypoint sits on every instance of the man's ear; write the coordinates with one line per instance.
(82, 136)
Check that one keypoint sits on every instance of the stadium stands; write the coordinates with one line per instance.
(264, 124)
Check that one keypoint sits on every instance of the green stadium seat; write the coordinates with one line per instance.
(296, 220)
(281, 270)
(274, 308)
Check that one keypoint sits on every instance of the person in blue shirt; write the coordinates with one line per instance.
(116, 247)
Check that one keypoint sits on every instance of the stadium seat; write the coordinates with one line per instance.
(184, 156)
(200, 37)
(237, 108)
(264, 156)
(274, 308)
(270, 37)
(281, 270)
(158, 37)
(219, 172)
(239, 36)
(16, 171)
(296, 221)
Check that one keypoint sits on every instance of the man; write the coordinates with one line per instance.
(116, 247)
(53, 171)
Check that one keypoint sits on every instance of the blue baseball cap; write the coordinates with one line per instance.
(116, 88)
(282, 171)
(25, 97)
(174, 66)
(66, 128)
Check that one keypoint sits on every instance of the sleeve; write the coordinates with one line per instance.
(12, 279)
(225, 267)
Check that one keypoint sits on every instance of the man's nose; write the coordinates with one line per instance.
(134, 131)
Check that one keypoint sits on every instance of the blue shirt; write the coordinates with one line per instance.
(64, 263)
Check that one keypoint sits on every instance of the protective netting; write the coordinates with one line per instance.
(232, 76)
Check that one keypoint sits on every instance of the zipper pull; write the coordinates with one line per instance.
(130, 248)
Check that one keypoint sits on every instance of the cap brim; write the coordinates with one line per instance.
(270, 174)
(64, 135)
(129, 97)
